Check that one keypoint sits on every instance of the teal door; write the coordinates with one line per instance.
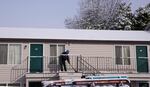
(142, 58)
(36, 58)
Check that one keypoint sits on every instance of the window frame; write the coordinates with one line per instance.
(122, 53)
(57, 55)
(7, 53)
(8, 58)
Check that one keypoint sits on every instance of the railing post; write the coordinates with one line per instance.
(77, 63)
(97, 62)
(28, 64)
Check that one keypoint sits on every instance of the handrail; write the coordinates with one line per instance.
(18, 71)
(86, 64)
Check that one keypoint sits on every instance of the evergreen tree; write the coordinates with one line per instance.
(141, 19)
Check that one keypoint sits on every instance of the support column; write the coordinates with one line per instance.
(149, 83)
(27, 83)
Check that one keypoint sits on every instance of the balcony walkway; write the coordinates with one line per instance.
(80, 65)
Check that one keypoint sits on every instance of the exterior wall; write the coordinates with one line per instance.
(6, 73)
(101, 50)
(102, 56)
(95, 49)
(25, 53)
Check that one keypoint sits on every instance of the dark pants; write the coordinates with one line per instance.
(63, 66)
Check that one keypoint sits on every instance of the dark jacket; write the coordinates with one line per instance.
(63, 57)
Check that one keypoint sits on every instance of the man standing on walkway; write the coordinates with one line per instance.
(62, 60)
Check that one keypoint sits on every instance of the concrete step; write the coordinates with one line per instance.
(70, 75)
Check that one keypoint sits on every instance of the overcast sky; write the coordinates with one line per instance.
(42, 13)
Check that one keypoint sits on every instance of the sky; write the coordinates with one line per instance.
(42, 13)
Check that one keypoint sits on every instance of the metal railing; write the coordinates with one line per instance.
(110, 65)
(81, 65)
(78, 63)
(19, 70)
(95, 65)
(51, 65)
(90, 64)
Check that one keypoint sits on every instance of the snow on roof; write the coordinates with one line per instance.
(73, 34)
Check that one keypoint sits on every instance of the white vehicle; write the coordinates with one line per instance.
(91, 81)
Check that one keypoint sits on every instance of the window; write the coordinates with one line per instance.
(122, 54)
(53, 54)
(3, 53)
(55, 51)
(10, 53)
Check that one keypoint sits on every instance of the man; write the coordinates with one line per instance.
(62, 60)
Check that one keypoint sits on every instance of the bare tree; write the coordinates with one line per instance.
(96, 14)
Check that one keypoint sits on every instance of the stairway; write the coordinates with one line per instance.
(19, 71)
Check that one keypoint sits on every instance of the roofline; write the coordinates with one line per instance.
(73, 34)
(70, 40)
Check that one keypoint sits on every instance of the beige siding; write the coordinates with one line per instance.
(102, 56)
(6, 73)
(46, 53)
(25, 49)
(100, 50)
(93, 50)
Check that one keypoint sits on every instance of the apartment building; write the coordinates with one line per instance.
(30, 55)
